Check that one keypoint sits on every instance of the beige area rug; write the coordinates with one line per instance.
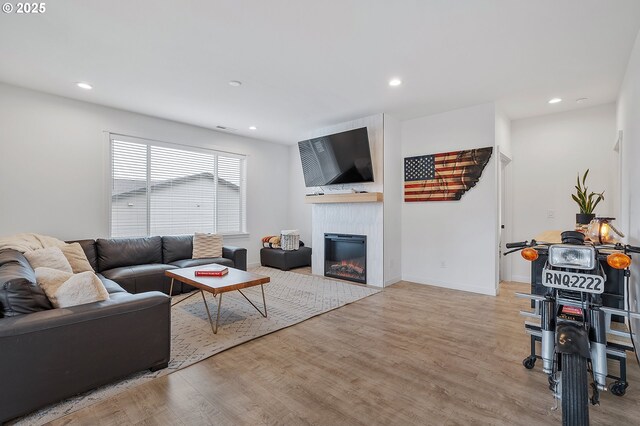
(291, 298)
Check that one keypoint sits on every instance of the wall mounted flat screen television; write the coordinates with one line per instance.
(341, 158)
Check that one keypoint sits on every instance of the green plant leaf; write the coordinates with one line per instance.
(579, 196)
(584, 180)
(583, 198)
(599, 198)
(578, 187)
(577, 200)
(586, 201)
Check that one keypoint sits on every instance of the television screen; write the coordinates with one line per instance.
(341, 158)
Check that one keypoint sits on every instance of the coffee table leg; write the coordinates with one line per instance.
(171, 288)
(219, 308)
(264, 302)
(215, 330)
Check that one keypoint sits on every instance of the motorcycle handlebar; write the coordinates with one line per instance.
(516, 245)
(523, 244)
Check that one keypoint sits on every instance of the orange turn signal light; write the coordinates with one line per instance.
(529, 254)
(619, 260)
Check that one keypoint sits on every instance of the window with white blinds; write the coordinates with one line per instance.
(162, 189)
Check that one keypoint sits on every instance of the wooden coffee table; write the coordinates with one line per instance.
(234, 280)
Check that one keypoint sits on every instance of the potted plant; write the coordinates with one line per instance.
(585, 200)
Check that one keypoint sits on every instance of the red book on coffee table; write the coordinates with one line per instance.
(212, 271)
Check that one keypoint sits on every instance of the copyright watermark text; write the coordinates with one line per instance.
(24, 8)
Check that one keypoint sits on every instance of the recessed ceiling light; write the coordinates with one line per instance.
(395, 82)
(83, 85)
(581, 100)
(253, 128)
(555, 100)
(235, 83)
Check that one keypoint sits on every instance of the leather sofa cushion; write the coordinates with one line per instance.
(141, 278)
(19, 293)
(117, 252)
(136, 270)
(186, 263)
(111, 286)
(89, 247)
(176, 248)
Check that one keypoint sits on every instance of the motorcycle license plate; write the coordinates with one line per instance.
(572, 281)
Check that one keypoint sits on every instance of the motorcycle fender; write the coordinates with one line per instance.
(572, 339)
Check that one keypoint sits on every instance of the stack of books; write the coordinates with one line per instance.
(212, 271)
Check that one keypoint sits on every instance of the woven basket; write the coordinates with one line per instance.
(290, 240)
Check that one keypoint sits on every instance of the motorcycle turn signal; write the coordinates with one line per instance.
(529, 254)
(618, 260)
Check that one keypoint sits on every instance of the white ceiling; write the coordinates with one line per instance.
(307, 64)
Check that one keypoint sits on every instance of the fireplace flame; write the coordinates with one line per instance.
(348, 269)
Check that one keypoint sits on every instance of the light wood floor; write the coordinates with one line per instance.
(412, 354)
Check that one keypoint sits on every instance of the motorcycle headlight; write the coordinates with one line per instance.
(570, 256)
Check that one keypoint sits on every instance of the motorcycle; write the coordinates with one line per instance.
(574, 321)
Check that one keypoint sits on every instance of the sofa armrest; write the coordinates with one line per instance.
(237, 254)
(50, 355)
(117, 303)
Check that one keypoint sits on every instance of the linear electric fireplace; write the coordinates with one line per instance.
(345, 257)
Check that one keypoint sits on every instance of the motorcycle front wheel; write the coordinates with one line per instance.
(575, 391)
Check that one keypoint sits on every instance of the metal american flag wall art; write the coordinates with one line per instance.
(445, 176)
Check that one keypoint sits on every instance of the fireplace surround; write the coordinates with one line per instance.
(345, 257)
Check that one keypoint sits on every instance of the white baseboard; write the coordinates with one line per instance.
(452, 286)
(521, 278)
(253, 265)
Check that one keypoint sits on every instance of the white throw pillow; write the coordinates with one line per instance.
(76, 258)
(50, 257)
(207, 246)
(64, 289)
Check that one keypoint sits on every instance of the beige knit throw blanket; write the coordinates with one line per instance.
(29, 241)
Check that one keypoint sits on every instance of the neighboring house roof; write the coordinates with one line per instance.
(123, 188)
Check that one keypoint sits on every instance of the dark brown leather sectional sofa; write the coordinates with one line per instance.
(138, 264)
(48, 354)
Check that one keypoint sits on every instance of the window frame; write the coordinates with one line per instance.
(243, 217)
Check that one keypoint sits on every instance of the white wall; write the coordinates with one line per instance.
(628, 120)
(461, 234)
(505, 191)
(503, 133)
(299, 213)
(392, 201)
(54, 156)
(548, 153)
